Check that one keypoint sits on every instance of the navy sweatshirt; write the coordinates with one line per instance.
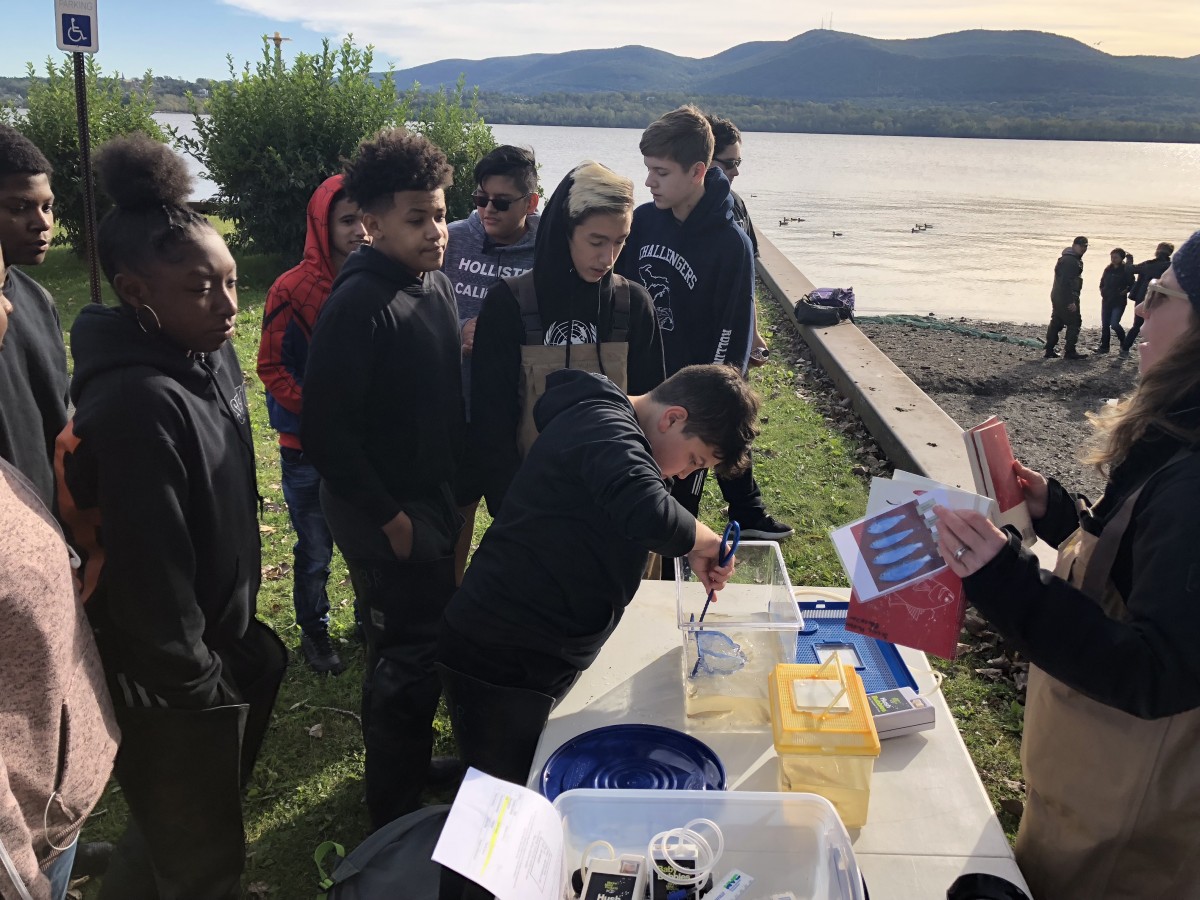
(700, 275)
(559, 565)
(383, 413)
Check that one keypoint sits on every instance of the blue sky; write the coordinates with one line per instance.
(190, 38)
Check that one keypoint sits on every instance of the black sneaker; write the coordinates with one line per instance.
(319, 653)
(1074, 354)
(1103, 348)
(764, 528)
(1050, 353)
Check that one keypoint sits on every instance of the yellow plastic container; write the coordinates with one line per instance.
(824, 735)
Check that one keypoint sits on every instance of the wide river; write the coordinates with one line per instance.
(999, 212)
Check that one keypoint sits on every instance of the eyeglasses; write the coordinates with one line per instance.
(1155, 288)
(501, 204)
(728, 164)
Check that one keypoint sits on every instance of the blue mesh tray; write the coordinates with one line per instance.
(825, 623)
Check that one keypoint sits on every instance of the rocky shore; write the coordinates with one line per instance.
(1044, 401)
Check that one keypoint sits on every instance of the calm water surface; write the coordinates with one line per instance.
(1000, 212)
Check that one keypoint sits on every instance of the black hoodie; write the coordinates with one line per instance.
(383, 417)
(558, 567)
(158, 495)
(33, 383)
(700, 275)
(573, 312)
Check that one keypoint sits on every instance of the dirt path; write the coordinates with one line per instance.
(1044, 401)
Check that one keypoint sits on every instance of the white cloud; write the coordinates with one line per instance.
(413, 32)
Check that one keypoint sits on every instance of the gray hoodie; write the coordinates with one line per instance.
(473, 262)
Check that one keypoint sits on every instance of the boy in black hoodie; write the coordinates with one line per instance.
(33, 372)
(570, 311)
(556, 570)
(698, 266)
(383, 425)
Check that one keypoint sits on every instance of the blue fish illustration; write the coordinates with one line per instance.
(905, 569)
(891, 539)
(884, 525)
(887, 557)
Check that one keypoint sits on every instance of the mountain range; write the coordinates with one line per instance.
(966, 67)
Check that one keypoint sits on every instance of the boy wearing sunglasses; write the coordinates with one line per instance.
(497, 240)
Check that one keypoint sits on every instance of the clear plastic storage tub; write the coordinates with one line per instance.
(785, 842)
(749, 629)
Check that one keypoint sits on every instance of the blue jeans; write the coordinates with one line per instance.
(59, 872)
(313, 549)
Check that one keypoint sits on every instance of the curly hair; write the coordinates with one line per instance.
(722, 412)
(149, 185)
(393, 161)
(725, 133)
(20, 156)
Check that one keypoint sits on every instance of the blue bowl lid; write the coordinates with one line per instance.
(632, 757)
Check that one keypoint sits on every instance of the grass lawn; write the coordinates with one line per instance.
(307, 787)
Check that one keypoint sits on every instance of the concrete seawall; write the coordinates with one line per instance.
(911, 429)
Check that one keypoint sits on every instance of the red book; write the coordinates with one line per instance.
(927, 615)
(991, 460)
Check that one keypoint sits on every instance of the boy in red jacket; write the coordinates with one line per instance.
(335, 230)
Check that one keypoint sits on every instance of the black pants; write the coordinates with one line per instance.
(182, 772)
(401, 603)
(1131, 336)
(1062, 317)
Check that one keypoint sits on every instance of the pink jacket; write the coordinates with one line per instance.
(58, 736)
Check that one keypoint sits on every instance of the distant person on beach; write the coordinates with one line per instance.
(383, 424)
(569, 312)
(294, 302)
(727, 153)
(1115, 282)
(699, 268)
(33, 370)
(1145, 272)
(1111, 744)
(1064, 298)
(497, 240)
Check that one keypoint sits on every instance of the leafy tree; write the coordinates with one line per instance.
(52, 124)
(452, 121)
(272, 134)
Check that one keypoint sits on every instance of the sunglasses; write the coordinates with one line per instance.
(1156, 291)
(500, 204)
(728, 164)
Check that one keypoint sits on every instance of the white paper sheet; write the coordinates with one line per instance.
(504, 837)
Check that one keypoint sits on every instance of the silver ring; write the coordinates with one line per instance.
(960, 553)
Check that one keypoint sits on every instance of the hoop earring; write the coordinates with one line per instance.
(142, 325)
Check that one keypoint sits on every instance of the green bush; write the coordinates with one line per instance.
(272, 134)
(114, 108)
(452, 121)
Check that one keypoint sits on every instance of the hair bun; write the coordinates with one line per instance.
(138, 172)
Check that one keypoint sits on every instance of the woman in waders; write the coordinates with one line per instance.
(1111, 747)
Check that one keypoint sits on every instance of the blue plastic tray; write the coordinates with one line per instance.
(825, 623)
(634, 756)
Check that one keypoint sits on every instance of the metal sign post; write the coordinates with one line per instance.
(77, 29)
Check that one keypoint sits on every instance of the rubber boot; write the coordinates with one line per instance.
(403, 604)
(180, 771)
(497, 730)
(256, 666)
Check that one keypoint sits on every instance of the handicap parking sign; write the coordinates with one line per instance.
(76, 21)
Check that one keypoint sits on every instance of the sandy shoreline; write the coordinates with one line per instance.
(1044, 401)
